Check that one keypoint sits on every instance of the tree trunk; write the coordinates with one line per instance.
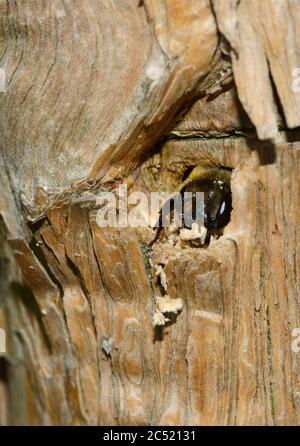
(102, 93)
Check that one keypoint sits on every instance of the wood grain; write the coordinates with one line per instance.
(106, 92)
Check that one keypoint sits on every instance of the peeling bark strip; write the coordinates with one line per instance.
(99, 92)
(264, 37)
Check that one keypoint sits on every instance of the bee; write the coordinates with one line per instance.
(214, 183)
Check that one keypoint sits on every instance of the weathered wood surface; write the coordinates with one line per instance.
(264, 37)
(91, 86)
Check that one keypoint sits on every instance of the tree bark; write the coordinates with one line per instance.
(100, 93)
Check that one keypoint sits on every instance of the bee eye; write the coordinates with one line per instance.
(218, 205)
